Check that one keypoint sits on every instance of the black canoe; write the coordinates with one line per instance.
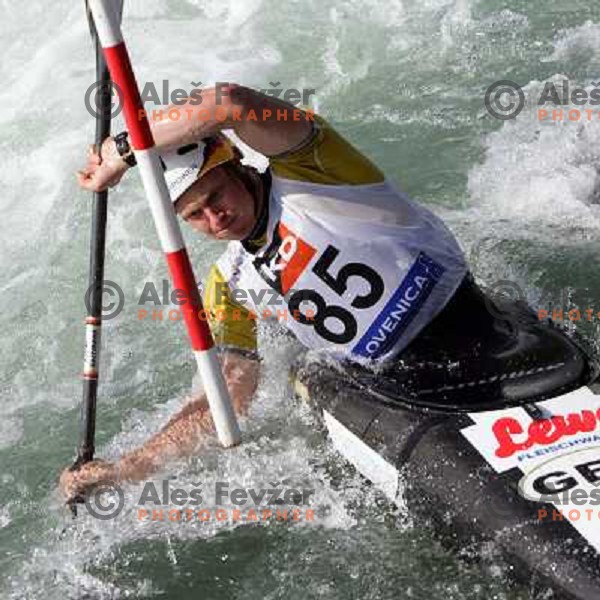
(480, 442)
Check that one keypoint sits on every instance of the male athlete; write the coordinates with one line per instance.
(321, 240)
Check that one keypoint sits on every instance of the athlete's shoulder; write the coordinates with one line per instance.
(327, 158)
(232, 325)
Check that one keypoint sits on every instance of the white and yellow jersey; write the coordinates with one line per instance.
(350, 264)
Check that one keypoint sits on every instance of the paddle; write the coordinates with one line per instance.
(93, 322)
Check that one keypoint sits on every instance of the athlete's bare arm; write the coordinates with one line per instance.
(180, 437)
(268, 125)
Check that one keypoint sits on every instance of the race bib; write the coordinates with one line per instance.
(338, 296)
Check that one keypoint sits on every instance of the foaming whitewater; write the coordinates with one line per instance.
(580, 46)
(538, 182)
(280, 443)
(542, 172)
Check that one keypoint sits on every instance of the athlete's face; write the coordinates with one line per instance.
(219, 206)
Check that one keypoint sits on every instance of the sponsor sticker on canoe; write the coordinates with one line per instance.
(566, 479)
(512, 438)
(558, 455)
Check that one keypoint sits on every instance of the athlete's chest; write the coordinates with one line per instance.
(336, 282)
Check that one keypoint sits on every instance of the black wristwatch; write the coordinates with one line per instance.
(124, 148)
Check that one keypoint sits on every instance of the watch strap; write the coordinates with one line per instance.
(124, 148)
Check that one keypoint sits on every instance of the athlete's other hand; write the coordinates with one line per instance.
(75, 483)
(104, 169)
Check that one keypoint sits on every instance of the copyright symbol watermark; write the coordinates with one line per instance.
(112, 293)
(504, 100)
(93, 99)
(503, 289)
(105, 501)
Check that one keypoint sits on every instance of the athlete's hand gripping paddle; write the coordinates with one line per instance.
(93, 322)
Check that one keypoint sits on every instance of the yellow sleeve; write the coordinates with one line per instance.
(231, 324)
(326, 158)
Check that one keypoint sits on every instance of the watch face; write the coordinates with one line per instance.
(122, 143)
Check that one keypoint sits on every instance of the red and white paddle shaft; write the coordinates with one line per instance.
(109, 32)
